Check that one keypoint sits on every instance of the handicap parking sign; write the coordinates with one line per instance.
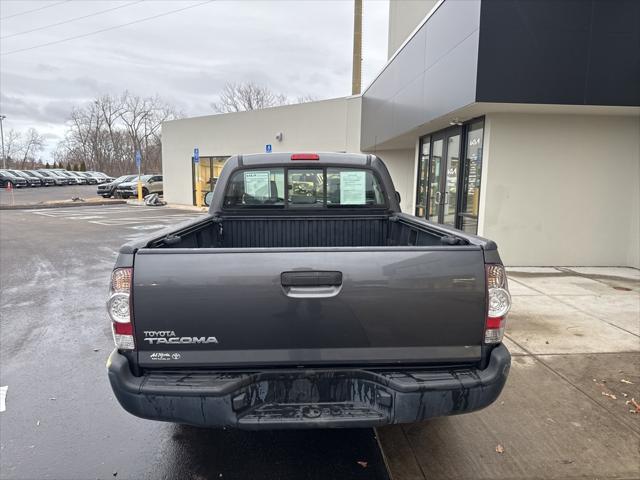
(267, 148)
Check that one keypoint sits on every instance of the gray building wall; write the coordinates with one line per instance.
(433, 75)
(562, 189)
(329, 125)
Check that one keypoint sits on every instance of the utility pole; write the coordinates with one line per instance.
(356, 81)
(4, 159)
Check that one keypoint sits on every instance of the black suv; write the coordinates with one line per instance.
(31, 181)
(9, 179)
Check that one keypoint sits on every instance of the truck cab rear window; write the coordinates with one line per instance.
(304, 188)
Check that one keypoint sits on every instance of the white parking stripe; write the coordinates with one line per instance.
(120, 216)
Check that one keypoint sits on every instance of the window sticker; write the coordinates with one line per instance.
(257, 184)
(352, 188)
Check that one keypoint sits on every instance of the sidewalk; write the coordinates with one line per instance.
(574, 334)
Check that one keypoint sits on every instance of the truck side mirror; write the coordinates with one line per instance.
(398, 198)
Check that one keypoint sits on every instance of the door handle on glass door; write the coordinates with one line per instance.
(446, 198)
(438, 197)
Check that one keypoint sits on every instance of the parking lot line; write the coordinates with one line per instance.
(129, 216)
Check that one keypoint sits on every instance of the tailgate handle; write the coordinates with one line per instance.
(311, 279)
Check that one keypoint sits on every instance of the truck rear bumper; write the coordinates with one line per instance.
(317, 398)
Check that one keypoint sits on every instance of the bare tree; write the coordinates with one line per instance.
(105, 133)
(306, 99)
(240, 97)
(32, 144)
(12, 144)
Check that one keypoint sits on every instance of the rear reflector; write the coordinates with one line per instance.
(305, 156)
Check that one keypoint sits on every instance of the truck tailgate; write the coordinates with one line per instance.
(356, 306)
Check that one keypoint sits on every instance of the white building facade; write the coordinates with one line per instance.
(532, 140)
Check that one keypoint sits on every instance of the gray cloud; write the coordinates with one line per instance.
(295, 48)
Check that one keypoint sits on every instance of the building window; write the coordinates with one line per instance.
(207, 170)
(423, 169)
(471, 179)
(448, 177)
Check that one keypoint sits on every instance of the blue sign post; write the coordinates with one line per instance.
(267, 148)
(196, 164)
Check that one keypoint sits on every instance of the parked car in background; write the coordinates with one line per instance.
(103, 176)
(83, 180)
(150, 184)
(46, 181)
(72, 180)
(99, 178)
(8, 179)
(91, 180)
(109, 189)
(31, 182)
(59, 179)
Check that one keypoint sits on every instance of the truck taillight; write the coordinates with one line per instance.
(498, 303)
(119, 308)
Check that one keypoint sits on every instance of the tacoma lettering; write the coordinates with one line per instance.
(180, 340)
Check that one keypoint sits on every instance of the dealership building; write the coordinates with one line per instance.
(517, 120)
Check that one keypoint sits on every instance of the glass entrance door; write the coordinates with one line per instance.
(444, 170)
(434, 194)
(449, 172)
(206, 172)
(450, 183)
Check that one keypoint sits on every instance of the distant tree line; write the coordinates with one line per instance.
(76, 167)
(105, 134)
(246, 96)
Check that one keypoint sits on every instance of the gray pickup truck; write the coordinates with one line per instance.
(305, 298)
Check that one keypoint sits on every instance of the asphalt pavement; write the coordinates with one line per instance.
(61, 418)
(22, 196)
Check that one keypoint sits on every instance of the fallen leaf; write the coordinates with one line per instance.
(362, 463)
(610, 395)
(626, 381)
(624, 395)
(499, 448)
(635, 404)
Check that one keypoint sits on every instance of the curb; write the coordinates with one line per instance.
(61, 205)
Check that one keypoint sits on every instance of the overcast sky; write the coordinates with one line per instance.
(294, 47)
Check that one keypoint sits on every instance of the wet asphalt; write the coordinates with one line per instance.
(61, 418)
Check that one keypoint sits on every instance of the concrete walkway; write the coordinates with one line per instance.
(574, 334)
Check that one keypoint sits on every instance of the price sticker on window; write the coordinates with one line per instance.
(352, 188)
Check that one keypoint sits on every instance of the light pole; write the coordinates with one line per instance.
(4, 159)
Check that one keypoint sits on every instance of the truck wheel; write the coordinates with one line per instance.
(145, 192)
